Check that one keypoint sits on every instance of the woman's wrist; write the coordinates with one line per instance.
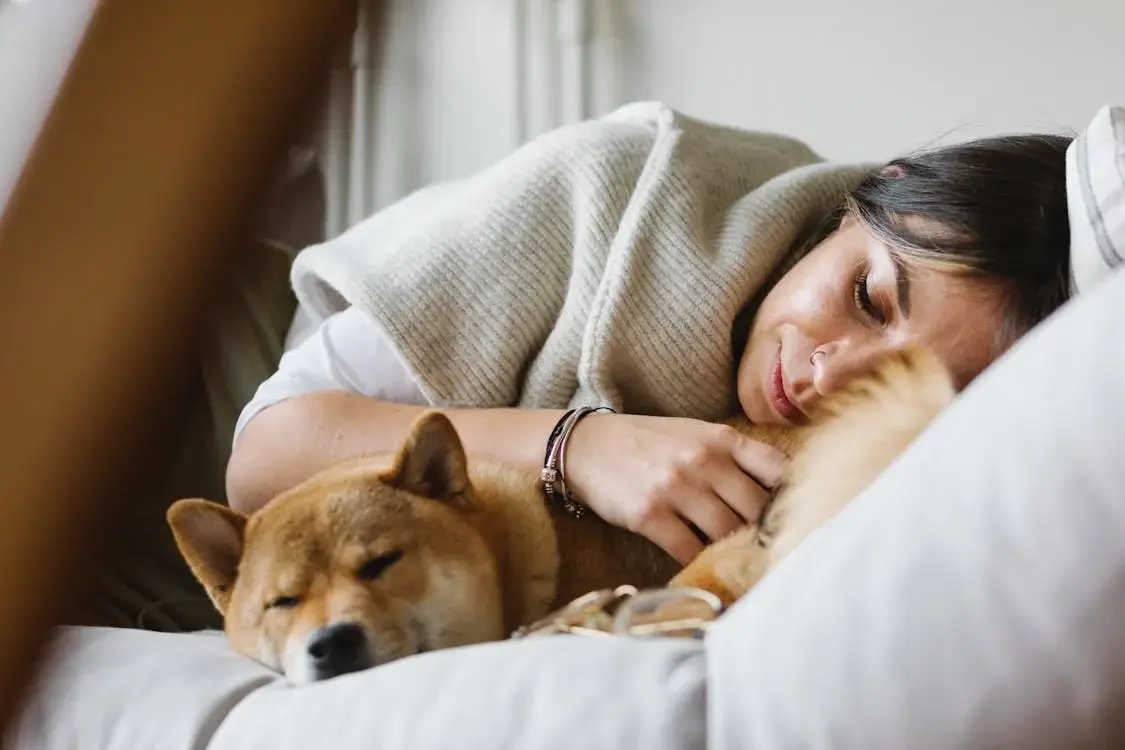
(554, 473)
(581, 451)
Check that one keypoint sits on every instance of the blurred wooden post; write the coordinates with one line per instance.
(161, 139)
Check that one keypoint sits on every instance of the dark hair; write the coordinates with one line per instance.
(993, 207)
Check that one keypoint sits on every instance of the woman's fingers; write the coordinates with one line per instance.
(739, 471)
(741, 493)
(762, 462)
(710, 514)
(669, 532)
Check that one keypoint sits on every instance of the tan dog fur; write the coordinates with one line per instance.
(855, 435)
(428, 549)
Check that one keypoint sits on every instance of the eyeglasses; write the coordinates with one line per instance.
(670, 613)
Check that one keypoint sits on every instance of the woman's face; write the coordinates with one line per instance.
(852, 301)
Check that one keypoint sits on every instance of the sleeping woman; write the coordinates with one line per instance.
(672, 270)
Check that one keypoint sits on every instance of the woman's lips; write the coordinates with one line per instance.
(780, 400)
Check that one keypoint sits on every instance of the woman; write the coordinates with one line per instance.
(963, 248)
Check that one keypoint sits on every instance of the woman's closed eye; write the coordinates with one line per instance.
(861, 293)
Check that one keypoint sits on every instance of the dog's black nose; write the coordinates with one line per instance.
(338, 649)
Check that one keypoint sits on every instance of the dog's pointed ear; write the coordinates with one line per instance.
(210, 538)
(432, 462)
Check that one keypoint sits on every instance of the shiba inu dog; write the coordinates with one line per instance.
(385, 556)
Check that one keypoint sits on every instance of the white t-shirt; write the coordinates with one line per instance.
(346, 352)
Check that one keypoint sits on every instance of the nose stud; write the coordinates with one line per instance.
(813, 356)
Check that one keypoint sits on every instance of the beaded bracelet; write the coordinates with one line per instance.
(553, 475)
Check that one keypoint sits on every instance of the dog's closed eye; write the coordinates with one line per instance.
(377, 566)
(283, 602)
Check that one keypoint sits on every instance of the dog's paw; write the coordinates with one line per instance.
(728, 568)
(707, 578)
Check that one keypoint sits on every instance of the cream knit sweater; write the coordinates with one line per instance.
(601, 264)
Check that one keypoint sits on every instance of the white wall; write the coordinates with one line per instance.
(870, 78)
(436, 91)
(864, 79)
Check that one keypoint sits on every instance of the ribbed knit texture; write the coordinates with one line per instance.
(602, 263)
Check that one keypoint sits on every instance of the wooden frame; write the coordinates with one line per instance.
(158, 144)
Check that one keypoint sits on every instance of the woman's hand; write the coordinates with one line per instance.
(655, 475)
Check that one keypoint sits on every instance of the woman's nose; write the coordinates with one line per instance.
(835, 364)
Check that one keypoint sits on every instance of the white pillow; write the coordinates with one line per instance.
(974, 596)
(1095, 185)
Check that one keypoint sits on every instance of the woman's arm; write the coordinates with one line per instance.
(342, 392)
(290, 441)
(648, 474)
